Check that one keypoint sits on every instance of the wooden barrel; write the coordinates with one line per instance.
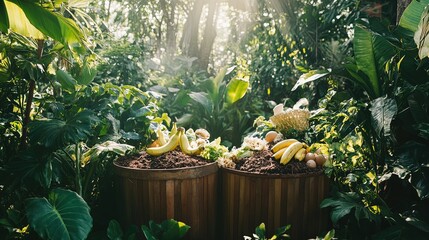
(249, 199)
(184, 194)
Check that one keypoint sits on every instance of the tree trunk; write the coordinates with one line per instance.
(209, 36)
(189, 41)
(29, 101)
(171, 29)
(400, 7)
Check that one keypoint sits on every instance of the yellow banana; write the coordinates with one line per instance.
(172, 143)
(290, 152)
(283, 144)
(161, 137)
(186, 148)
(279, 153)
(173, 130)
(300, 155)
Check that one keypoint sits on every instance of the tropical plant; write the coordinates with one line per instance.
(63, 215)
(115, 232)
(288, 39)
(220, 104)
(260, 233)
(122, 63)
(77, 126)
(375, 152)
(167, 230)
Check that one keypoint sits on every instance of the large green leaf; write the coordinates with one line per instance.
(203, 99)
(411, 17)
(66, 80)
(19, 23)
(236, 89)
(343, 204)
(64, 215)
(51, 24)
(87, 75)
(33, 167)
(365, 57)
(372, 51)
(383, 110)
(114, 230)
(4, 20)
(109, 146)
(421, 36)
(59, 133)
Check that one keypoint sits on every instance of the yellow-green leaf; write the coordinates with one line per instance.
(236, 89)
(19, 23)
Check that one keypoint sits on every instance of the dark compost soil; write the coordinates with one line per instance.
(262, 162)
(173, 159)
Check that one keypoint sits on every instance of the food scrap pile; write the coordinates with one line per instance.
(275, 154)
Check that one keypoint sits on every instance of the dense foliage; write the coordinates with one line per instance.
(91, 81)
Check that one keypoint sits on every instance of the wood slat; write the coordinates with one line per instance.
(188, 195)
(249, 199)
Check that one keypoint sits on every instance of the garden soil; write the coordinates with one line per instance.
(261, 162)
(172, 159)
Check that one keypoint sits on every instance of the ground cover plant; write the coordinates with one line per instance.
(83, 82)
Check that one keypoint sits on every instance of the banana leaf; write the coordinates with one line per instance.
(421, 36)
(31, 20)
(236, 90)
(371, 54)
(410, 19)
(19, 23)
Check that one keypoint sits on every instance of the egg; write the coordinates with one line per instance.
(311, 164)
(320, 159)
(310, 156)
(270, 136)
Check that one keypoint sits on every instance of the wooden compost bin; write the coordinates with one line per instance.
(249, 199)
(184, 194)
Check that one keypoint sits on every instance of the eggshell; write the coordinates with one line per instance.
(320, 159)
(311, 164)
(310, 156)
(270, 136)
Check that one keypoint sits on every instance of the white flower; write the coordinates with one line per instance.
(255, 144)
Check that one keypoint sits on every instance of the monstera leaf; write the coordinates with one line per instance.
(63, 215)
(58, 133)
